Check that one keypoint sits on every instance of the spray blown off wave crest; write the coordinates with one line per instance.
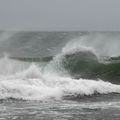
(32, 82)
(79, 69)
(79, 61)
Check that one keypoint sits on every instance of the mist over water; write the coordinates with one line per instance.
(75, 59)
(45, 43)
(59, 75)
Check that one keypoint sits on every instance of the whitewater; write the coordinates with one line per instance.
(69, 69)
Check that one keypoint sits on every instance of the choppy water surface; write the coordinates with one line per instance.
(60, 110)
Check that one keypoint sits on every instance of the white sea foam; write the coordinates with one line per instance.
(31, 84)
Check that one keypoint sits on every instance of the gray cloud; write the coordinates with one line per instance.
(60, 14)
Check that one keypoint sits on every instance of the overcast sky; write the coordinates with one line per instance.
(60, 15)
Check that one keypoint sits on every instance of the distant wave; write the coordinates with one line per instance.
(33, 59)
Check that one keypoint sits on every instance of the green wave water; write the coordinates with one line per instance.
(85, 65)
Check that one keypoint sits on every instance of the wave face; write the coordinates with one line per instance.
(40, 68)
(85, 64)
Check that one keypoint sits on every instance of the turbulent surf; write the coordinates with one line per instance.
(58, 65)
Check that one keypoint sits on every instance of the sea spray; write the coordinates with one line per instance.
(64, 75)
(34, 84)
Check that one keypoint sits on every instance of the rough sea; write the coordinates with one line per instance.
(59, 75)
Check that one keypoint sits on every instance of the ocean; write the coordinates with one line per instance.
(59, 75)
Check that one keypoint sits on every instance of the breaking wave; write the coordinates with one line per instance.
(76, 71)
(31, 84)
(79, 69)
